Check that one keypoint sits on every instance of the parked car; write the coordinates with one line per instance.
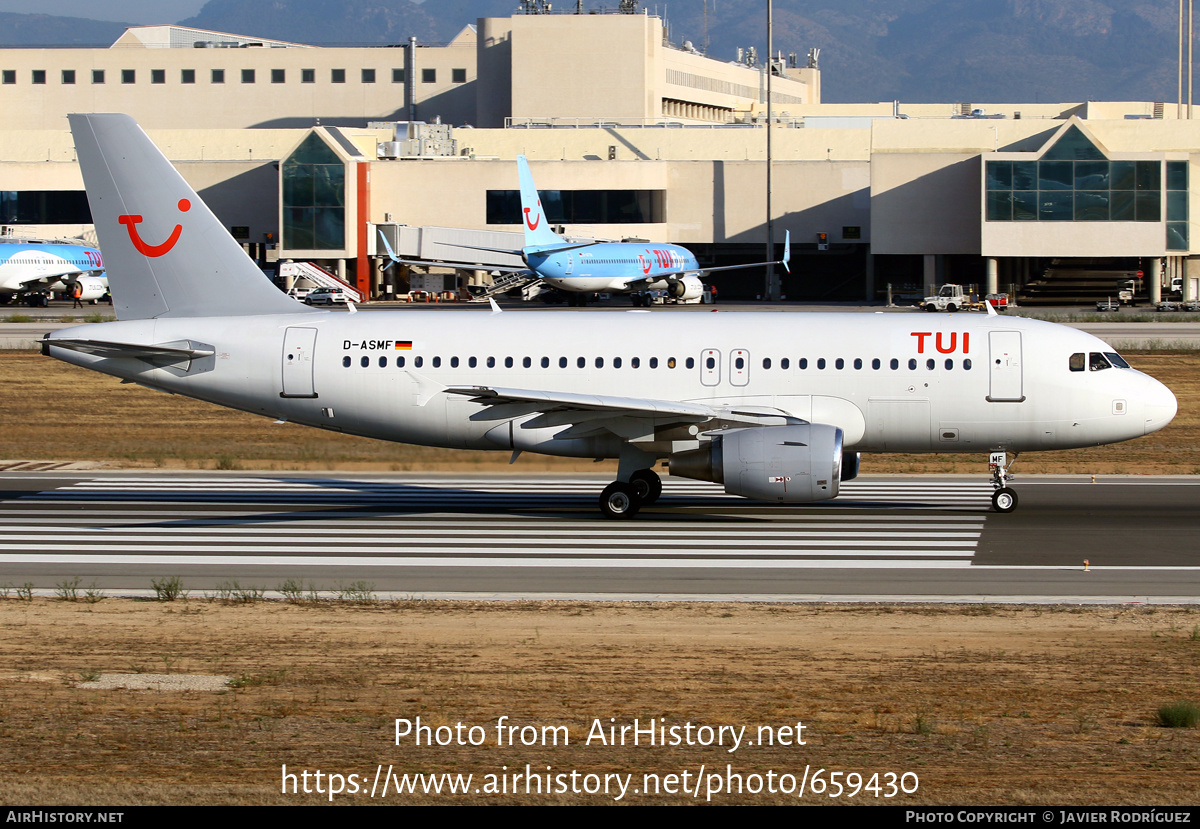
(299, 294)
(326, 296)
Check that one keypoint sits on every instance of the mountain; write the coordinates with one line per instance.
(51, 30)
(871, 50)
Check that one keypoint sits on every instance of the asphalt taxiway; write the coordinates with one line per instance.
(924, 538)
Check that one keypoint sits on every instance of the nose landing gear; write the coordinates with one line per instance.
(1004, 499)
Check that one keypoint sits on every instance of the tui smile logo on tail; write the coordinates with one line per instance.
(131, 221)
(537, 220)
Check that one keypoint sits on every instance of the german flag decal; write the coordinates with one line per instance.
(404, 345)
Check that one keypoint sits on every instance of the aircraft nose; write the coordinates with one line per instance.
(1159, 404)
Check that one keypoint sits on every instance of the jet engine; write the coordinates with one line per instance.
(787, 464)
(690, 287)
(91, 287)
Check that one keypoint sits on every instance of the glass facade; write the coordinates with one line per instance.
(1074, 182)
(44, 207)
(1177, 205)
(582, 206)
(314, 197)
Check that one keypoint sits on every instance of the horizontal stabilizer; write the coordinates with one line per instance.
(176, 352)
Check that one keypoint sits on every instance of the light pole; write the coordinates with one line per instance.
(772, 287)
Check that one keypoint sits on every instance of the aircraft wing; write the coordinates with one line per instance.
(45, 278)
(164, 352)
(473, 266)
(589, 414)
(702, 272)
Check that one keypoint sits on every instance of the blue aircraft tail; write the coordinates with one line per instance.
(537, 227)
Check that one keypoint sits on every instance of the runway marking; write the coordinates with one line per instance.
(480, 562)
(425, 522)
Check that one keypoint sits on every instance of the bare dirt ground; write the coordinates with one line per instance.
(995, 705)
(983, 704)
(54, 411)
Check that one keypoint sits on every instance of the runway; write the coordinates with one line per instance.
(886, 537)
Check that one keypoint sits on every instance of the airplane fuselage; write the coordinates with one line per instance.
(612, 266)
(38, 266)
(891, 382)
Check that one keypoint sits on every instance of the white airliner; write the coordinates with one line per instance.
(591, 267)
(773, 406)
(33, 268)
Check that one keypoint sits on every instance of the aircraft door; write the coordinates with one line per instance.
(299, 346)
(710, 367)
(1005, 367)
(739, 367)
(570, 263)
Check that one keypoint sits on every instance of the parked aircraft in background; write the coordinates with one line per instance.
(32, 269)
(591, 267)
(769, 408)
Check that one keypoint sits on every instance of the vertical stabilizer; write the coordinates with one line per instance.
(537, 227)
(167, 255)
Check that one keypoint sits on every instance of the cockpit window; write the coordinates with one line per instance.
(1116, 359)
(1077, 361)
(1098, 362)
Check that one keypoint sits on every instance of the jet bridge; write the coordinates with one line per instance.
(452, 247)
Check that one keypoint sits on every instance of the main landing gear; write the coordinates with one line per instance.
(1004, 499)
(623, 500)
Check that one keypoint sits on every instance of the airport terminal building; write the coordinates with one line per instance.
(311, 153)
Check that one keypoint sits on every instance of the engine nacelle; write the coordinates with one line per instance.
(91, 287)
(787, 464)
(690, 287)
(850, 463)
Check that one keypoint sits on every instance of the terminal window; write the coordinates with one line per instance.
(582, 206)
(458, 75)
(337, 76)
(97, 76)
(428, 76)
(44, 207)
(68, 76)
(158, 76)
(397, 76)
(314, 197)
(218, 76)
(10, 76)
(247, 76)
(368, 76)
(187, 75)
(39, 75)
(1074, 182)
(1177, 205)
(128, 76)
(278, 76)
(308, 76)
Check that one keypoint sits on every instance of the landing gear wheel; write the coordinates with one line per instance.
(619, 500)
(647, 485)
(1004, 500)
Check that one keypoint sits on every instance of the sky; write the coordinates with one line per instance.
(121, 11)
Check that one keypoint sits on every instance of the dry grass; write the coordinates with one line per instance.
(987, 705)
(59, 412)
